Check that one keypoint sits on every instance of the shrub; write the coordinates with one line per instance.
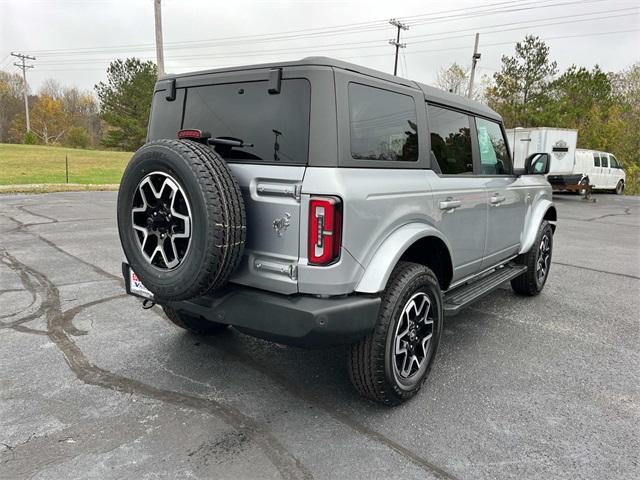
(30, 138)
(77, 137)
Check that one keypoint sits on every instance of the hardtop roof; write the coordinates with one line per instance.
(432, 94)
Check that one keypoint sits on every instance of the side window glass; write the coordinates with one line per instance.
(614, 162)
(596, 160)
(604, 160)
(383, 124)
(494, 159)
(450, 140)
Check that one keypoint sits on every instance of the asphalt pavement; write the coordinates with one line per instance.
(94, 387)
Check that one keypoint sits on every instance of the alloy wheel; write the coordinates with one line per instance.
(413, 335)
(161, 220)
(543, 261)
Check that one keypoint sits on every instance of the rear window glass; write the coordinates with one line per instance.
(277, 125)
(383, 124)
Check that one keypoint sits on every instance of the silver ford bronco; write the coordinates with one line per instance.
(318, 203)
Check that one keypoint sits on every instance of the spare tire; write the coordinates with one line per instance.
(181, 219)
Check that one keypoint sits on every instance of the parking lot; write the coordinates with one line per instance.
(93, 386)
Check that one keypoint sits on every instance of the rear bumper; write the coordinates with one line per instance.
(290, 319)
(300, 320)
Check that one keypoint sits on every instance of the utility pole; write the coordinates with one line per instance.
(157, 4)
(400, 26)
(474, 61)
(25, 93)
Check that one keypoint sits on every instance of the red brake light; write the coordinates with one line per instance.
(325, 230)
(191, 134)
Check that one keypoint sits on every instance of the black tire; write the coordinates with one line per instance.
(619, 188)
(532, 281)
(373, 364)
(195, 325)
(217, 225)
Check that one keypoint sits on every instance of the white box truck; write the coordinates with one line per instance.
(559, 143)
(571, 168)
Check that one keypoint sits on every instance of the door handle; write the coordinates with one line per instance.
(450, 205)
(496, 199)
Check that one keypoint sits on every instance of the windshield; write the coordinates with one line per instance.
(276, 125)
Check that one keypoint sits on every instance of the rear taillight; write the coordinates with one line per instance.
(325, 230)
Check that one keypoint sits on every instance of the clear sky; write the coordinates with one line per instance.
(74, 40)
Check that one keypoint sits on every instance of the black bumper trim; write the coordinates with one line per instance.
(290, 319)
(299, 320)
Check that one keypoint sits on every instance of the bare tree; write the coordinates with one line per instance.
(455, 79)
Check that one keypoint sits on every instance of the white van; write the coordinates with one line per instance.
(599, 169)
(571, 168)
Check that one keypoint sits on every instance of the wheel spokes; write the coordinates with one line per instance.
(414, 331)
(161, 218)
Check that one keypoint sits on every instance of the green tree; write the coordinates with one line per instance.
(518, 90)
(573, 96)
(77, 137)
(125, 101)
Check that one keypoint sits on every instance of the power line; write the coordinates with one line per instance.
(353, 28)
(23, 65)
(496, 28)
(511, 42)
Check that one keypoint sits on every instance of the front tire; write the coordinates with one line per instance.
(195, 325)
(390, 365)
(620, 188)
(538, 262)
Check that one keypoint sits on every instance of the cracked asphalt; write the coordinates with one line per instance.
(94, 387)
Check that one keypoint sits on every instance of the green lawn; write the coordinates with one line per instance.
(23, 164)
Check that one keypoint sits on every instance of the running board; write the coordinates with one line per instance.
(463, 295)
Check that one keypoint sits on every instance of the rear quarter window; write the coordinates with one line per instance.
(383, 124)
(276, 124)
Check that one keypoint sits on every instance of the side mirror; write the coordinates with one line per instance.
(536, 164)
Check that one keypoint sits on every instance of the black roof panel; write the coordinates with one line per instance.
(432, 94)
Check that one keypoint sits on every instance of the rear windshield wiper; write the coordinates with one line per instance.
(229, 142)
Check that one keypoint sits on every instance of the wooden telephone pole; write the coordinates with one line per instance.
(25, 93)
(157, 5)
(400, 26)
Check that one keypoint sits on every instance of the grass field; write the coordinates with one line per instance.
(35, 164)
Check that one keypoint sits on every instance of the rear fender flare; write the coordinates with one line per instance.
(379, 269)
